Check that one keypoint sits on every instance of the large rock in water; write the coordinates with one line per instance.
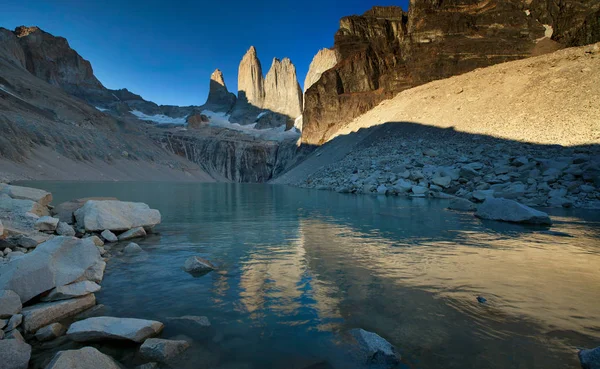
(85, 358)
(373, 349)
(283, 94)
(96, 216)
(219, 98)
(511, 211)
(26, 193)
(103, 328)
(157, 349)
(14, 354)
(65, 210)
(57, 262)
(387, 50)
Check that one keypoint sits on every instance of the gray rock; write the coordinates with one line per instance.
(373, 349)
(132, 248)
(402, 186)
(50, 332)
(419, 190)
(511, 211)
(558, 202)
(442, 181)
(460, 204)
(104, 328)
(109, 236)
(10, 303)
(97, 241)
(96, 216)
(14, 322)
(3, 323)
(40, 315)
(32, 240)
(1, 230)
(85, 358)
(590, 359)
(382, 189)
(46, 224)
(14, 354)
(57, 262)
(65, 210)
(21, 207)
(197, 265)
(198, 321)
(468, 172)
(162, 350)
(25, 193)
(63, 229)
(95, 273)
(72, 290)
(481, 195)
(132, 233)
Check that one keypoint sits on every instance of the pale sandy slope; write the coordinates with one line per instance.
(550, 99)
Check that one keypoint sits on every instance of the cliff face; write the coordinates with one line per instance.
(387, 50)
(282, 91)
(324, 60)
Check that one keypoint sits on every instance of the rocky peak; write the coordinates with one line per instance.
(219, 98)
(23, 31)
(282, 91)
(250, 79)
(324, 60)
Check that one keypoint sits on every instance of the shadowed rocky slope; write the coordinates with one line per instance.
(387, 50)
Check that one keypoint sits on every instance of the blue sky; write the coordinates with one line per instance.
(166, 50)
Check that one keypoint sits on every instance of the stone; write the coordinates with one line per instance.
(132, 248)
(10, 303)
(382, 189)
(72, 290)
(197, 265)
(132, 233)
(481, 195)
(430, 152)
(14, 354)
(32, 240)
(40, 315)
(84, 358)
(19, 216)
(57, 262)
(283, 94)
(96, 216)
(442, 181)
(65, 210)
(63, 229)
(14, 322)
(97, 241)
(590, 359)
(46, 224)
(511, 211)
(109, 236)
(110, 328)
(1, 230)
(95, 273)
(373, 349)
(419, 190)
(402, 186)
(50, 332)
(162, 350)
(25, 193)
(198, 321)
(558, 202)
(461, 204)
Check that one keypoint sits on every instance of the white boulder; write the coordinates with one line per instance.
(511, 211)
(46, 224)
(96, 216)
(132, 248)
(72, 290)
(63, 229)
(57, 262)
(85, 358)
(132, 233)
(14, 354)
(103, 328)
(25, 193)
(40, 315)
(10, 303)
(109, 236)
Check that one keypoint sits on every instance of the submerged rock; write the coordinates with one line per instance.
(85, 358)
(511, 211)
(198, 321)
(109, 328)
(57, 262)
(197, 265)
(14, 354)
(373, 349)
(162, 350)
(132, 248)
(96, 216)
(461, 204)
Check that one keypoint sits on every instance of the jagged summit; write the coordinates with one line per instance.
(219, 98)
(22, 31)
(217, 77)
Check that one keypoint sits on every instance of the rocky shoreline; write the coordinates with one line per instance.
(470, 167)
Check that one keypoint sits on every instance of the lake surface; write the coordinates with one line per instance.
(298, 268)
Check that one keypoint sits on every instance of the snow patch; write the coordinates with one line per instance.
(158, 118)
(262, 115)
(101, 109)
(270, 134)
